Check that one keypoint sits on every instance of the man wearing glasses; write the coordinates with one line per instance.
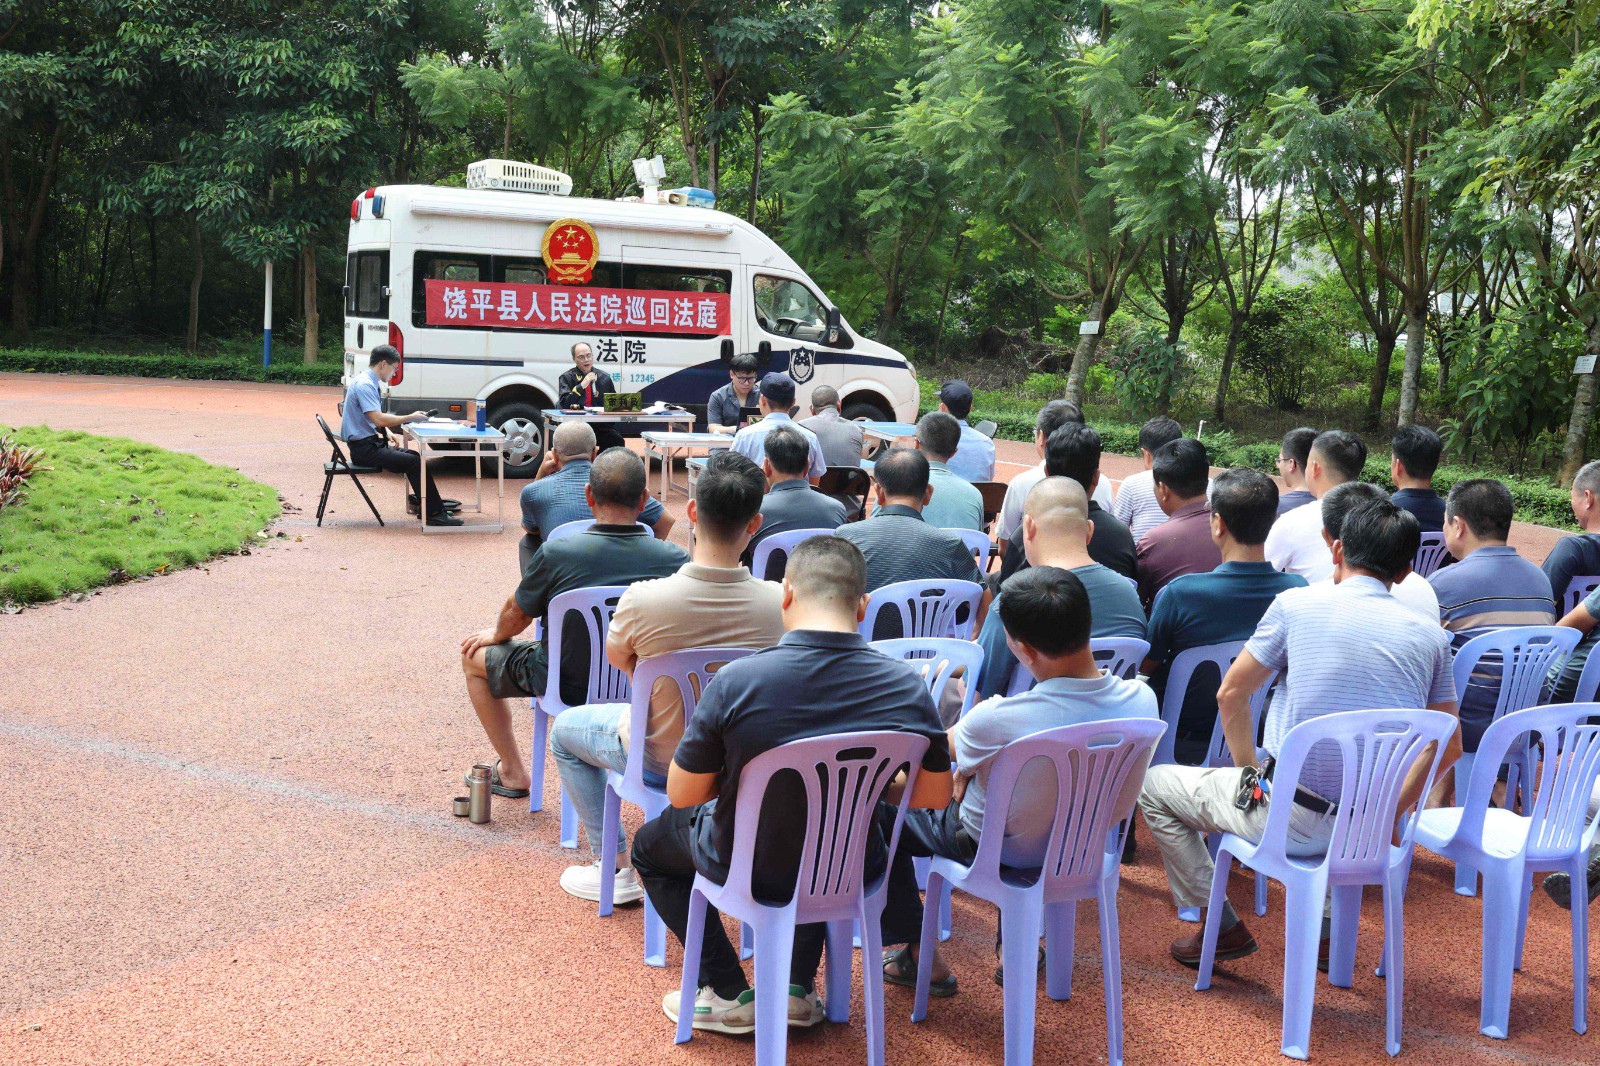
(726, 410)
(1292, 456)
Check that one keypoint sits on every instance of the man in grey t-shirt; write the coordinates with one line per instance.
(841, 438)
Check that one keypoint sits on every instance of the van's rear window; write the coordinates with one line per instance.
(367, 276)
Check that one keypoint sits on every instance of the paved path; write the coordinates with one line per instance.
(227, 836)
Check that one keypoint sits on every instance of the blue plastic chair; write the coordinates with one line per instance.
(690, 671)
(1179, 675)
(1578, 590)
(1588, 681)
(979, 544)
(606, 684)
(1526, 654)
(1429, 555)
(1116, 655)
(1098, 768)
(844, 775)
(1376, 749)
(569, 529)
(780, 544)
(927, 608)
(1508, 846)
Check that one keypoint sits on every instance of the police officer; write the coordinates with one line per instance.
(362, 428)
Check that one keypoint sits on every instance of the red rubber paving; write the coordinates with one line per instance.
(228, 837)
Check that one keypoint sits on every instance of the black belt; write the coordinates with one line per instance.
(1304, 797)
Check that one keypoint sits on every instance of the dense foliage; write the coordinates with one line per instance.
(1299, 210)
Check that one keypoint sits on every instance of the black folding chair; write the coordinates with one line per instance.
(849, 485)
(341, 465)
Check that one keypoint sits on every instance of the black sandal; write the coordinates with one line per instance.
(496, 787)
(906, 964)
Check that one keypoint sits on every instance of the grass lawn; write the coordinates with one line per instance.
(101, 510)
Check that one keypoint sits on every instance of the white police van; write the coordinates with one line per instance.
(484, 298)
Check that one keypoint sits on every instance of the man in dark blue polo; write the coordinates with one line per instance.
(791, 503)
(821, 679)
(1414, 456)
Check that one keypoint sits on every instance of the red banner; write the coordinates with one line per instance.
(564, 307)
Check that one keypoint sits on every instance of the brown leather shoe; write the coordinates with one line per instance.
(1235, 943)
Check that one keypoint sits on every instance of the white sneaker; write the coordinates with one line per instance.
(712, 1013)
(805, 1008)
(584, 882)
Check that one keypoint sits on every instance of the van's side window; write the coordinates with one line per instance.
(367, 275)
(789, 309)
(442, 266)
(519, 271)
(676, 279)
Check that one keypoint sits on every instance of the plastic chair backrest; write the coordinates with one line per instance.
(1093, 763)
(581, 525)
(844, 775)
(1376, 751)
(1429, 554)
(1569, 734)
(988, 427)
(1578, 590)
(595, 606)
(1526, 654)
(1119, 656)
(937, 659)
(780, 544)
(1588, 680)
(691, 670)
(979, 544)
(846, 481)
(994, 498)
(927, 608)
(1179, 675)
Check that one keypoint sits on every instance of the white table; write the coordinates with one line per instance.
(669, 418)
(888, 432)
(479, 445)
(666, 445)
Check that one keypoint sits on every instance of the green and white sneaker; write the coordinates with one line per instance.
(805, 1008)
(712, 1013)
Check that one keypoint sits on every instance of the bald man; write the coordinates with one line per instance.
(555, 496)
(1056, 532)
(840, 438)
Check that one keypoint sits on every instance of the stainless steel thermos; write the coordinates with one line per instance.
(478, 795)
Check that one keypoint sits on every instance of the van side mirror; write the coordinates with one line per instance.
(764, 354)
(834, 325)
(727, 350)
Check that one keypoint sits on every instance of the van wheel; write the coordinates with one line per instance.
(524, 444)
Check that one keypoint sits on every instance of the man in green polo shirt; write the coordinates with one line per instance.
(614, 551)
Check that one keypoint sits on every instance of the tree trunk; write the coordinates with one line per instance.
(191, 339)
(944, 299)
(1411, 375)
(755, 165)
(308, 259)
(1083, 356)
(1577, 445)
(889, 317)
(26, 250)
(1219, 409)
(1380, 380)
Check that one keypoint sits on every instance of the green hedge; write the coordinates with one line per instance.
(168, 366)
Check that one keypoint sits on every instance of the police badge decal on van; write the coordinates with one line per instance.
(802, 365)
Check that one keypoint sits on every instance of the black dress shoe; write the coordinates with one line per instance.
(413, 507)
(444, 518)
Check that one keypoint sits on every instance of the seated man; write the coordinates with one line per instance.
(1577, 555)
(1414, 456)
(1074, 451)
(362, 425)
(791, 503)
(1052, 416)
(1412, 590)
(821, 679)
(711, 602)
(556, 495)
(1136, 504)
(955, 503)
(1491, 587)
(614, 551)
(1224, 605)
(1047, 618)
(898, 544)
(1182, 544)
(777, 399)
(1293, 454)
(1347, 646)
(725, 410)
(1296, 545)
(974, 458)
(840, 438)
(1056, 532)
(583, 386)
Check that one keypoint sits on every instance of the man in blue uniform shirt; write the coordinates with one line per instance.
(362, 426)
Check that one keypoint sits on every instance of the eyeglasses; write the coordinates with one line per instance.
(1282, 460)
(745, 379)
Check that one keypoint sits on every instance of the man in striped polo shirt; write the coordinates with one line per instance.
(1346, 646)
(1490, 588)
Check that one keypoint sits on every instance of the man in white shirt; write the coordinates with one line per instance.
(1136, 502)
(1052, 416)
(1413, 590)
(1296, 544)
(777, 398)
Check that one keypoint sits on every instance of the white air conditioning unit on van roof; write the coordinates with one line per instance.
(511, 176)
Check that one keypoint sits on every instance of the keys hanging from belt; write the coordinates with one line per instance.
(1253, 789)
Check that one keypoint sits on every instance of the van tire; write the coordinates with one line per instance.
(527, 429)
